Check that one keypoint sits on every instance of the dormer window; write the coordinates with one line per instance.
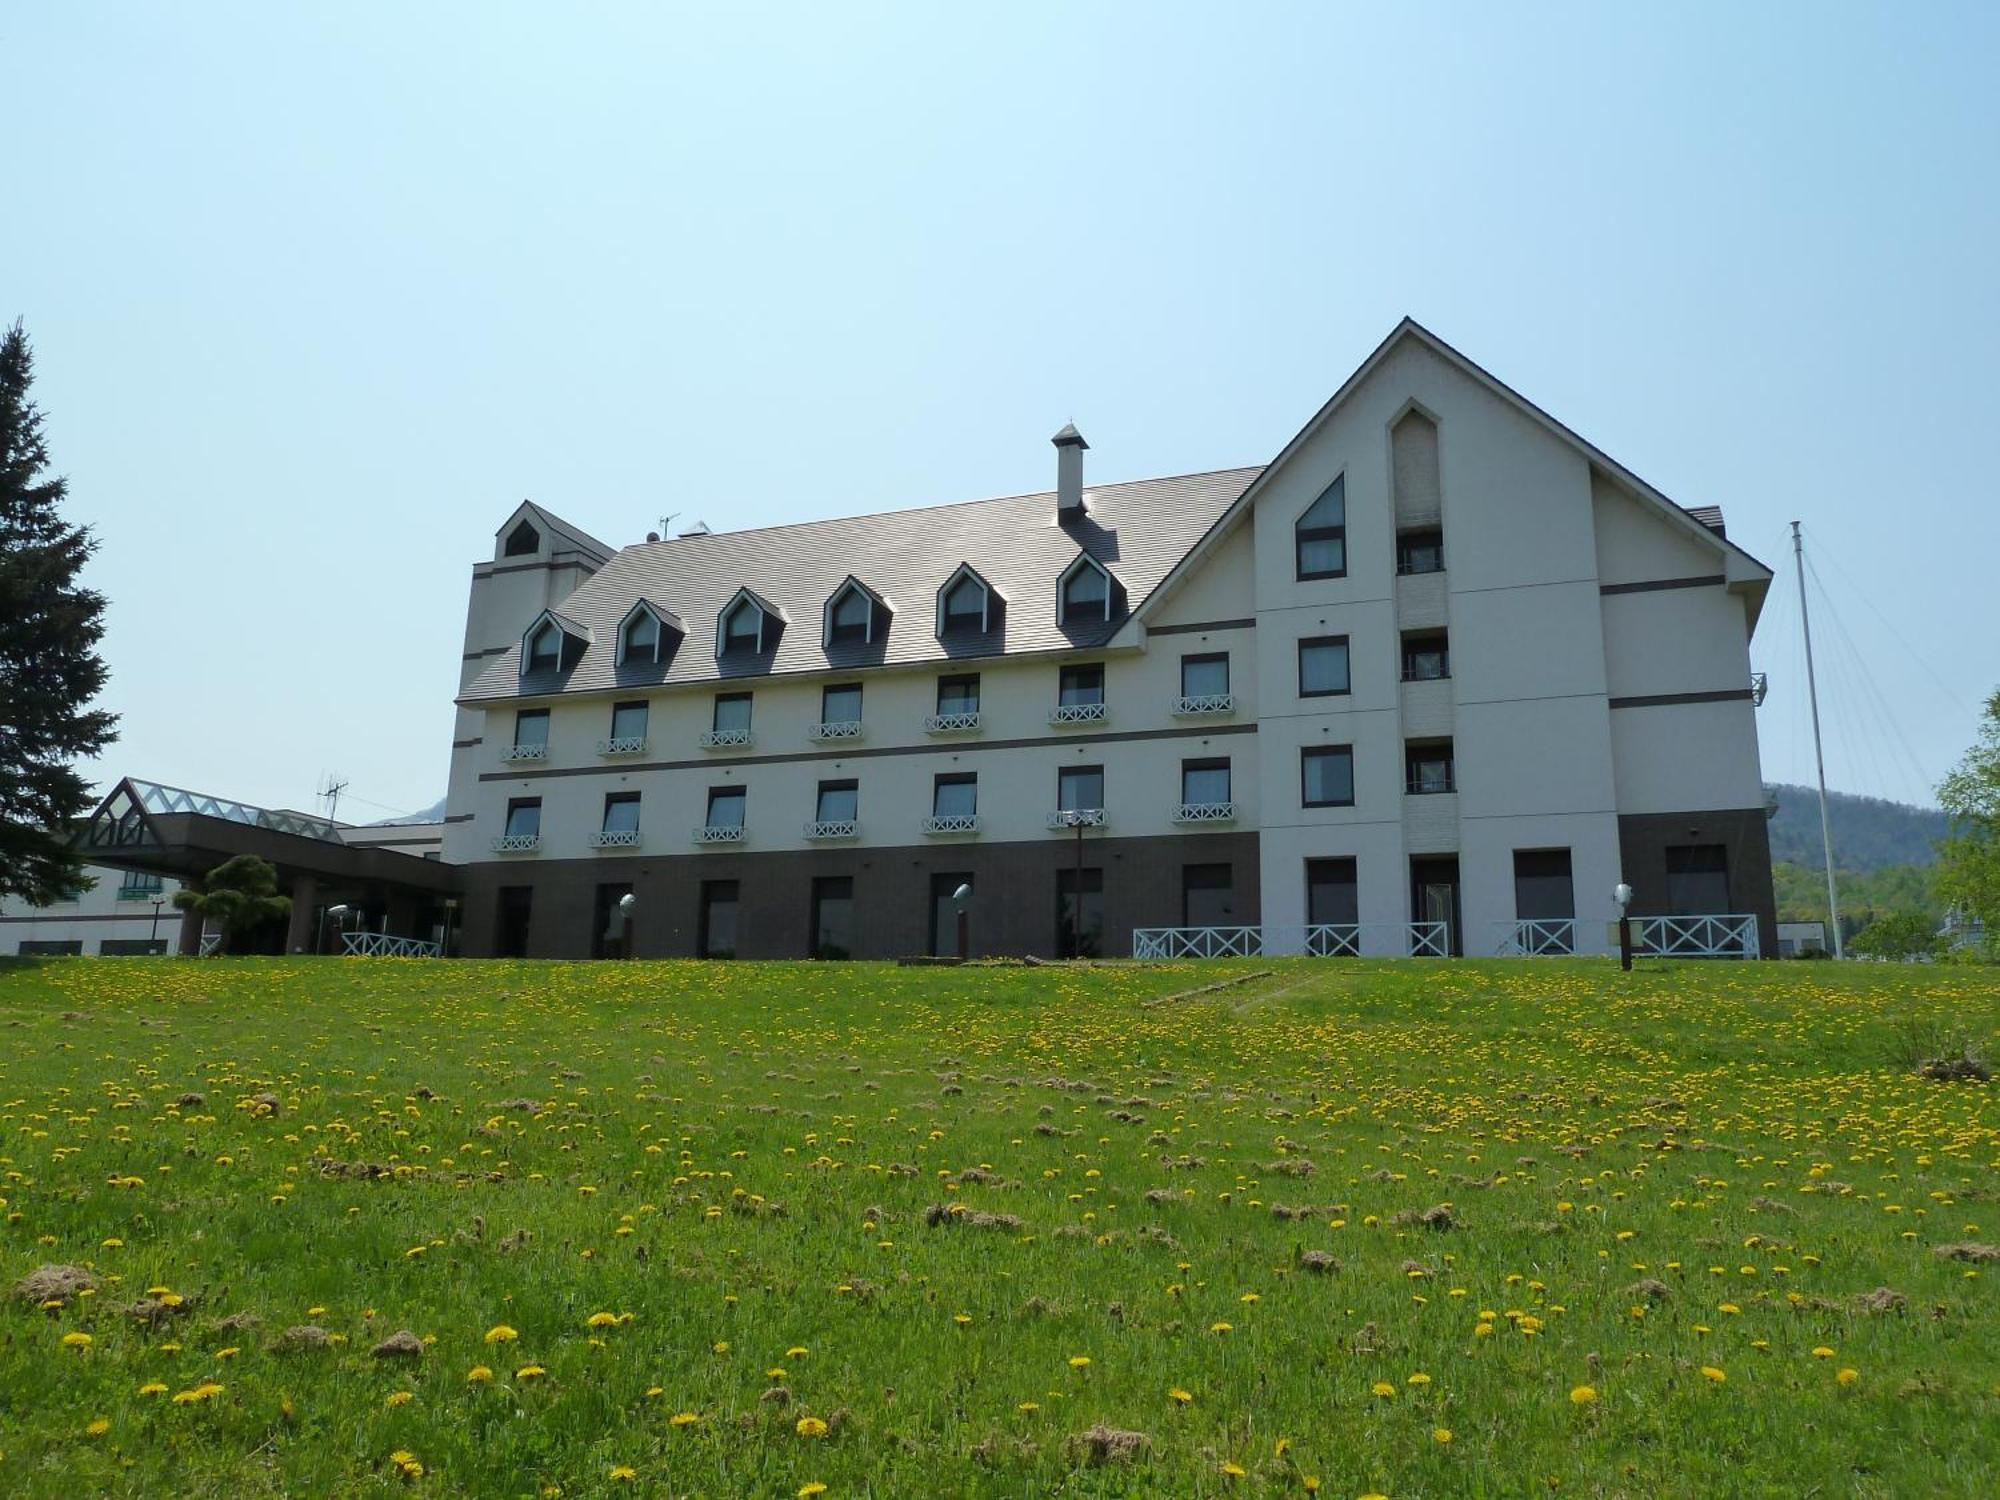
(747, 626)
(552, 643)
(648, 636)
(1320, 541)
(545, 647)
(522, 541)
(1085, 592)
(855, 615)
(743, 630)
(967, 604)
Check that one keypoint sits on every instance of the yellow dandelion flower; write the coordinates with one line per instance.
(1848, 1376)
(623, 1473)
(1180, 1397)
(500, 1333)
(1383, 1389)
(1419, 1378)
(1220, 1328)
(229, 1353)
(811, 1427)
(1441, 1434)
(398, 1398)
(530, 1372)
(1712, 1375)
(797, 1351)
(1232, 1471)
(1822, 1352)
(683, 1419)
(76, 1340)
(1029, 1407)
(811, 1488)
(153, 1388)
(478, 1375)
(602, 1320)
(98, 1426)
(1079, 1361)
(1583, 1395)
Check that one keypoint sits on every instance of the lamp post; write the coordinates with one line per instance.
(158, 902)
(625, 904)
(1622, 894)
(340, 912)
(960, 900)
(1076, 819)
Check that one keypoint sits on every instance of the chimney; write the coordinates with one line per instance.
(1069, 473)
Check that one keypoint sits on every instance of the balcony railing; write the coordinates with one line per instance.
(719, 833)
(1430, 785)
(1319, 940)
(615, 838)
(628, 744)
(517, 843)
(382, 945)
(951, 823)
(1066, 714)
(1068, 818)
(525, 752)
(952, 723)
(841, 729)
(1205, 705)
(725, 739)
(1205, 812)
(1760, 685)
(1536, 937)
(827, 829)
(1732, 935)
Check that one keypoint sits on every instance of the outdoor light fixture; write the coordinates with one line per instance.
(625, 904)
(339, 912)
(961, 900)
(1622, 894)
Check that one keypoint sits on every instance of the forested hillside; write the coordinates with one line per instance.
(1869, 833)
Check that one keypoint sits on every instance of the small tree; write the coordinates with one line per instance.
(1968, 875)
(239, 894)
(49, 667)
(1899, 935)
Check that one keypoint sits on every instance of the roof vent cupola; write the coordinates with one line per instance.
(1069, 473)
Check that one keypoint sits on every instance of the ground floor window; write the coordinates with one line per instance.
(1697, 880)
(132, 947)
(609, 920)
(515, 905)
(833, 916)
(1208, 896)
(51, 947)
(1434, 898)
(1544, 892)
(1079, 913)
(1332, 895)
(944, 914)
(717, 937)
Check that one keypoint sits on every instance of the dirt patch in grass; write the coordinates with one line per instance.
(50, 1282)
(1108, 1445)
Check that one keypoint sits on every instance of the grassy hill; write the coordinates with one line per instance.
(347, 1227)
(1869, 833)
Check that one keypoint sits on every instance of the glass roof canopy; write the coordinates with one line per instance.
(155, 798)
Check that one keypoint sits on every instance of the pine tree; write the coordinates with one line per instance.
(49, 667)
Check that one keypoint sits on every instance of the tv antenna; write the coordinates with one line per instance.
(331, 785)
(667, 522)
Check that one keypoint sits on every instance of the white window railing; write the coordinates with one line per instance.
(1319, 940)
(525, 752)
(1076, 817)
(1536, 937)
(951, 823)
(833, 828)
(210, 941)
(1204, 705)
(719, 833)
(1197, 942)
(1731, 935)
(517, 843)
(1205, 812)
(725, 739)
(952, 723)
(629, 744)
(615, 838)
(842, 729)
(382, 945)
(1066, 714)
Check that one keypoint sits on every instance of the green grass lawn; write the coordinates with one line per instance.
(1400, 1229)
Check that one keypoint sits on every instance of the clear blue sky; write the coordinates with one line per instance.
(319, 292)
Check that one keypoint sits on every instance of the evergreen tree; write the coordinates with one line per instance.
(239, 895)
(49, 667)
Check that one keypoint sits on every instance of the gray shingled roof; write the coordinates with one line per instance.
(1138, 531)
(1709, 516)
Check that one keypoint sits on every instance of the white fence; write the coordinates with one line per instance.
(1537, 937)
(1321, 940)
(381, 945)
(1732, 935)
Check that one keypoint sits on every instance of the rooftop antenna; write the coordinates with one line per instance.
(331, 786)
(1819, 758)
(667, 521)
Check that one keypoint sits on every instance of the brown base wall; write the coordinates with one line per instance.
(1014, 912)
(1743, 832)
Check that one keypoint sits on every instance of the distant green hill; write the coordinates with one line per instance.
(1868, 832)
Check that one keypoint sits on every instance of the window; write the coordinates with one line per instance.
(139, 887)
(621, 812)
(1079, 913)
(732, 713)
(640, 640)
(716, 937)
(1420, 552)
(531, 729)
(944, 913)
(1320, 538)
(132, 947)
(1206, 675)
(1326, 774)
(51, 948)
(725, 806)
(524, 818)
(1080, 789)
(1542, 887)
(1323, 666)
(1698, 880)
(839, 802)
(514, 907)
(609, 922)
(955, 794)
(743, 628)
(1077, 686)
(833, 916)
(1086, 592)
(1427, 767)
(958, 695)
(841, 704)
(628, 720)
(1208, 897)
(852, 618)
(545, 647)
(522, 541)
(1426, 657)
(1332, 895)
(1204, 783)
(966, 605)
